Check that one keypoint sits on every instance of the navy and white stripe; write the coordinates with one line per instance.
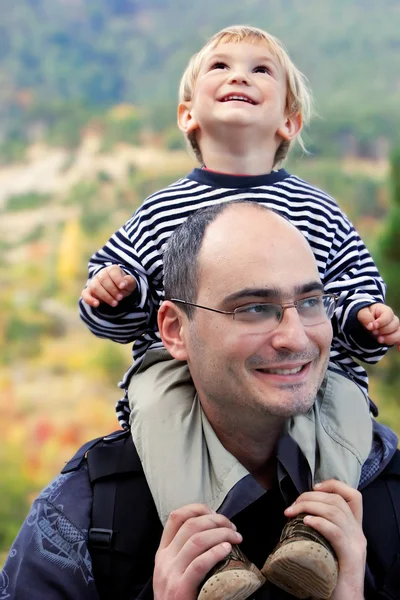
(345, 265)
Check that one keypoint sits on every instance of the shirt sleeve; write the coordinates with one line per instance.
(352, 274)
(50, 558)
(135, 248)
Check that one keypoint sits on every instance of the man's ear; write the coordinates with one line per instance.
(170, 324)
(290, 127)
(186, 120)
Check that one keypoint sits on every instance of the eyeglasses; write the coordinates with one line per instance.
(313, 310)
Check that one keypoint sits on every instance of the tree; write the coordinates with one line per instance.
(389, 256)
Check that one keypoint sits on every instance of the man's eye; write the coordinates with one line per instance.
(262, 69)
(260, 309)
(310, 303)
(218, 65)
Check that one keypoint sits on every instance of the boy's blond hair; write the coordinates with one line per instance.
(298, 101)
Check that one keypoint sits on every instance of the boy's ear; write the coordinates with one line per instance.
(186, 120)
(171, 327)
(291, 127)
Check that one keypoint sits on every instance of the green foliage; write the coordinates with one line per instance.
(174, 139)
(26, 201)
(112, 361)
(60, 70)
(389, 259)
(93, 220)
(13, 149)
(389, 255)
(126, 129)
(83, 193)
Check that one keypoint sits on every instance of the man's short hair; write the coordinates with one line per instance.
(181, 267)
(298, 101)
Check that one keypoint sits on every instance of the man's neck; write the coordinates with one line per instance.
(238, 156)
(254, 444)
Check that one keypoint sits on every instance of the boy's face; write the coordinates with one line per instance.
(240, 85)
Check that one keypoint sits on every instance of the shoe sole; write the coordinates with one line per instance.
(304, 569)
(235, 584)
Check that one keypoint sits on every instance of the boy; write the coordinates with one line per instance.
(242, 104)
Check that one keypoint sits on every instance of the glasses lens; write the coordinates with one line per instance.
(315, 310)
(330, 304)
(267, 313)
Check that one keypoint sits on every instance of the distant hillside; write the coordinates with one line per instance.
(103, 52)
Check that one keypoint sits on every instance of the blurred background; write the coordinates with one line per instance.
(88, 94)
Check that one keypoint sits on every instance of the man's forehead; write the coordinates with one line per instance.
(248, 246)
(256, 227)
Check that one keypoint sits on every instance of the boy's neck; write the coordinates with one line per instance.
(249, 159)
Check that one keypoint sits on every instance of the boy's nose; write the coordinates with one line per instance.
(239, 78)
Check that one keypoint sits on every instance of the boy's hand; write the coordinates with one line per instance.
(110, 285)
(381, 321)
(334, 509)
(194, 540)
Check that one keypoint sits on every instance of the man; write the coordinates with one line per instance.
(252, 375)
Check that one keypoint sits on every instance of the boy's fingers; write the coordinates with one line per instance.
(365, 317)
(392, 339)
(97, 290)
(89, 299)
(391, 327)
(128, 284)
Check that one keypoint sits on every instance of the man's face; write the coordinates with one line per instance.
(240, 84)
(251, 256)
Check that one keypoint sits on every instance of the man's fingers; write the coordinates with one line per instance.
(201, 542)
(177, 518)
(197, 526)
(351, 496)
(201, 565)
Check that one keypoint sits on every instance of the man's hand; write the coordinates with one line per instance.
(335, 510)
(110, 285)
(194, 540)
(381, 321)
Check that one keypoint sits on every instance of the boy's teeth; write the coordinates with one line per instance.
(285, 371)
(243, 98)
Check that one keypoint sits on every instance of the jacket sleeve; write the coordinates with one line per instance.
(137, 250)
(352, 275)
(49, 558)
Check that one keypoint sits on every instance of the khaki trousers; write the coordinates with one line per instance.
(185, 462)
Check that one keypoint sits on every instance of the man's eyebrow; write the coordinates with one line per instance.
(312, 286)
(253, 293)
(263, 293)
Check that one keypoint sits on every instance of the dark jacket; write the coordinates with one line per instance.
(50, 557)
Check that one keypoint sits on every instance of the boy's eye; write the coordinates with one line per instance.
(262, 69)
(219, 65)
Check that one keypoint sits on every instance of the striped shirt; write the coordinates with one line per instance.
(344, 263)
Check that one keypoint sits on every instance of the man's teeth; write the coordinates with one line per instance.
(242, 98)
(284, 371)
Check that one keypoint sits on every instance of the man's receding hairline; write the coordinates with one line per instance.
(239, 204)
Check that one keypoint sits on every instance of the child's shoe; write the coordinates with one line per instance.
(303, 563)
(234, 578)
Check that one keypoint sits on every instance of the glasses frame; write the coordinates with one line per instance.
(294, 304)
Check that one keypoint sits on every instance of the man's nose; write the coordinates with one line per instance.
(290, 333)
